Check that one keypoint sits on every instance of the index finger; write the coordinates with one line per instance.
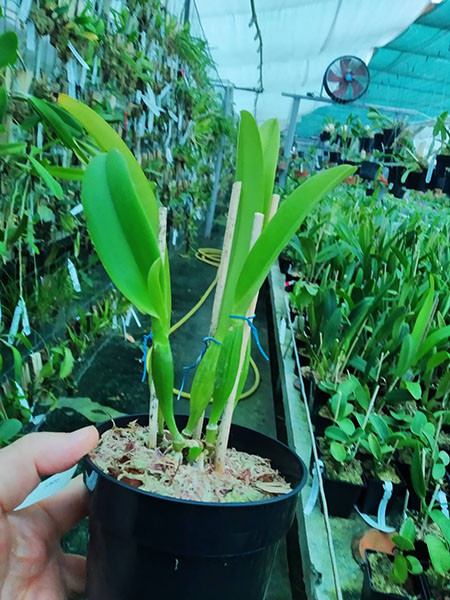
(24, 462)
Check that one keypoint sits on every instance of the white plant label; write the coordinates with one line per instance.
(71, 77)
(47, 488)
(73, 275)
(135, 317)
(31, 37)
(24, 10)
(39, 135)
(283, 327)
(77, 209)
(26, 330)
(14, 328)
(174, 237)
(94, 70)
(78, 56)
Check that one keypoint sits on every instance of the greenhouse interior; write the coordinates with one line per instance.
(268, 180)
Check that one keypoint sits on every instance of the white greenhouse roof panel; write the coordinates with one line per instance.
(300, 39)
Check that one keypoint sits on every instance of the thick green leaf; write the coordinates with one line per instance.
(408, 531)
(414, 389)
(417, 476)
(51, 183)
(402, 542)
(3, 102)
(338, 452)
(9, 44)
(379, 426)
(250, 172)
(280, 230)
(442, 522)
(414, 565)
(418, 422)
(439, 554)
(111, 241)
(12, 148)
(67, 364)
(424, 315)
(156, 300)
(107, 139)
(8, 429)
(270, 142)
(400, 572)
(332, 327)
(435, 338)
(45, 110)
(406, 356)
(437, 359)
(335, 433)
(375, 447)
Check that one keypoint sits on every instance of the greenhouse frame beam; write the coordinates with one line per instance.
(290, 135)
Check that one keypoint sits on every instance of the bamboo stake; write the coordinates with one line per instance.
(222, 274)
(154, 405)
(225, 425)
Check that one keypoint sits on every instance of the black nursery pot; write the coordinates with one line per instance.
(389, 136)
(335, 157)
(341, 496)
(367, 144)
(442, 163)
(373, 492)
(325, 136)
(368, 170)
(378, 141)
(143, 544)
(416, 181)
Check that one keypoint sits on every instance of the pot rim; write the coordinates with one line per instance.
(101, 427)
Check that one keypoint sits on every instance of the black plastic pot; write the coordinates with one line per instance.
(419, 584)
(367, 144)
(416, 181)
(397, 190)
(395, 173)
(389, 136)
(341, 496)
(442, 163)
(145, 545)
(446, 188)
(368, 170)
(378, 141)
(373, 492)
(325, 136)
(335, 157)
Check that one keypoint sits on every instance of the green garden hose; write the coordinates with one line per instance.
(211, 256)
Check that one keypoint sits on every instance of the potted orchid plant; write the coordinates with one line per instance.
(190, 506)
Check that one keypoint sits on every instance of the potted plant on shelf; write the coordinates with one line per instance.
(183, 505)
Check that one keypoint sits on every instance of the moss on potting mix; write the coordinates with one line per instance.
(124, 454)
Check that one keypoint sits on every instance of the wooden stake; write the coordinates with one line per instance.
(222, 274)
(153, 404)
(225, 425)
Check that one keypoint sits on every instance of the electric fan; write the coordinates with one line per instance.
(346, 79)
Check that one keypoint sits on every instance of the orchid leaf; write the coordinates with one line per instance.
(270, 141)
(51, 183)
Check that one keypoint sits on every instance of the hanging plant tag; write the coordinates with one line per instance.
(73, 276)
(31, 37)
(174, 236)
(71, 77)
(78, 56)
(169, 135)
(36, 363)
(169, 156)
(37, 66)
(24, 10)
(150, 121)
(141, 126)
(166, 89)
(173, 116)
(15, 322)
(47, 488)
(26, 330)
(94, 70)
(39, 135)
(283, 330)
(77, 209)
(22, 396)
(83, 77)
(135, 317)
(187, 133)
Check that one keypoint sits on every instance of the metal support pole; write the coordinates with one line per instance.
(218, 166)
(290, 137)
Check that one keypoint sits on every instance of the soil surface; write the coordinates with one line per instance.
(123, 453)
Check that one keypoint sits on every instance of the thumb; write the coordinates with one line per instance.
(24, 462)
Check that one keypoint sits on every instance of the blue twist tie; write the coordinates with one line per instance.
(189, 368)
(254, 331)
(147, 337)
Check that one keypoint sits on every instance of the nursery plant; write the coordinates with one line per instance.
(195, 464)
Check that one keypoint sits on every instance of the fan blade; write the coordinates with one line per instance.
(344, 65)
(359, 69)
(357, 87)
(342, 90)
(331, 76)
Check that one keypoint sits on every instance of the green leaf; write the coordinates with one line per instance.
(280, 230)
(67, 364)
(347, 426)
(12, 148)
(118, 226)
(332, 327)
(9, 44)
(375, 447)
(92, 411)
(439, 554)
(8, 429)
(408, 531)
(417, 476)
(442, 522)
(270, 143)
(414, 389)
(400, 572)
(45, 110)
(433, 340)
(402, 542)
(335, 433)
(45, 214)
(379, 426)
(407, 352)
(419, 420)
(3, 102)
(107, 139)
(338, 452)
(414, 565)
(51, 183)
(67, 173)
(437, 359)
(424, 315)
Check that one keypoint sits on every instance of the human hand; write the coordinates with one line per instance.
(32, 564)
